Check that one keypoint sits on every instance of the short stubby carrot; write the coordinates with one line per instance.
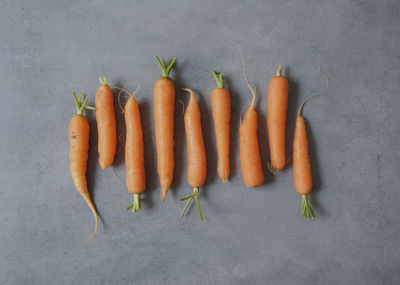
(78, 152)
(221, 109)
(250, 159)
(278, 91)
(197, 169)
(134, 153)
(106, 124)
(164, 105)
(301, 163)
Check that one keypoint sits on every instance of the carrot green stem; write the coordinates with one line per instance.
(306, 210)
(135, 206)
(103, 80)
(279, 71)
(195, 196)
(80, 106)
(218, 79)
(165, 66)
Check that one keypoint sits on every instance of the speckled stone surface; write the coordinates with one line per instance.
(250, 236)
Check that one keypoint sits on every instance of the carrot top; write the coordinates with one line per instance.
(218, 79)
(80, 106)
(279, 71)
(195, 196)
(165, 66)
(103, 80)
(135, 206)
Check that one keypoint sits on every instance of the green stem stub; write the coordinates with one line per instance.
(103, 80)
(218, 79)
(195, 196)
(80, 106)
(306, 210)
(165, 66)
(135, 206)
(279, 71)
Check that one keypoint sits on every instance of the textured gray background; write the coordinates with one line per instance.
(250, 236)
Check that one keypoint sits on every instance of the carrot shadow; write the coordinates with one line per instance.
(149, 153)
(208, 138)
(262, 134)
(315, 172)
(235, 124)
(179, 134)
(121, 130)
(291, 117)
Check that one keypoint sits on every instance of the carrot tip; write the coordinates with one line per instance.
(91, 206)
(163, 195)
(306, 209)
(272, 169)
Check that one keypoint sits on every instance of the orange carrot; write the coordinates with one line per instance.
(164, 104)
(278, 91)
(134, 153)
(250, 160)
(221, 109)
(196, 151)
(78, 152)
(106, 125)
(301, 163)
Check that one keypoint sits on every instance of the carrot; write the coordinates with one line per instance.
(250, 160)
(301, 163)
(278, 91)
(78, 152)
(134, 153)
(196, 151)
(106, 125)
(164, 104)
(221, 109)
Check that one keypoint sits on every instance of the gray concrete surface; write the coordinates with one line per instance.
(250, 236)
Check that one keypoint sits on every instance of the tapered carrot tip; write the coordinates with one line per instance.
(163, 194)
(87, 199)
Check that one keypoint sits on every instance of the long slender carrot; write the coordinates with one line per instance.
(134, 153)
(250, 160)
(78, 152)
(221, 109)
(164, 104)
(196, 151)
(106, 125)
(278, 91)
(301, 163)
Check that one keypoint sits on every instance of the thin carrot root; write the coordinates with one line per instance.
(91, 206)
(135, 206)
(163, 194)
(195, 196)
(305, 101)
(306, 209)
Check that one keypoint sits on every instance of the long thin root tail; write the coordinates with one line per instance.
(89, 202)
